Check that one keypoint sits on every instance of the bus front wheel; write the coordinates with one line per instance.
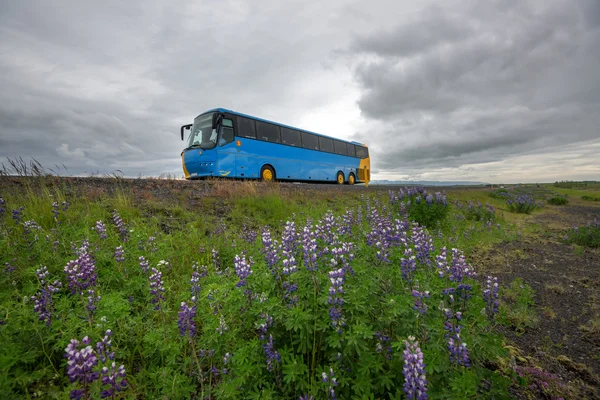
(351, 179)
(340, 178)
(267, 173)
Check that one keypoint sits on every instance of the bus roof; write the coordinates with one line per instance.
(225, 110)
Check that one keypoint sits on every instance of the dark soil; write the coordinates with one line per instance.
(566, 280)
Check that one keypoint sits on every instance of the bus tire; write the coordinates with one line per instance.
(351, 179)
(267, 174)
(340, 178)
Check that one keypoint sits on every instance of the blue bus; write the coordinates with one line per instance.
(225, 143)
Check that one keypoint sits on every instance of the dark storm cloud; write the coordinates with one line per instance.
(481, 81)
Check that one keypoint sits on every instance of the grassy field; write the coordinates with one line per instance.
(116, 288)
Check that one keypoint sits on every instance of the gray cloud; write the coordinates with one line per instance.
(481, 81)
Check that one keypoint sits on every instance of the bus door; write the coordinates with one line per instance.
(227, 150)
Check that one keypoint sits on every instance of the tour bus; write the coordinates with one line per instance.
(225, 143)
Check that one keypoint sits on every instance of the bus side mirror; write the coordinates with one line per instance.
(185, 127)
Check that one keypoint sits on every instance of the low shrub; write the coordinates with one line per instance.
(590, 198)
(428, 209)
(558, 200)
(523, 203)
(587, 236)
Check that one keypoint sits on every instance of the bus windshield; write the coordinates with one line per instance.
(202, 135)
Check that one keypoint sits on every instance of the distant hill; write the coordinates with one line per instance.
(428, 183)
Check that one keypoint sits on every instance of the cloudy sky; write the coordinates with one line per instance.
(494, 90)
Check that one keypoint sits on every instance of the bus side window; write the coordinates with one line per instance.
(227, 132)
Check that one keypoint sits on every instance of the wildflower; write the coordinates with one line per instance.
(216, 260)
(157, 289)
(81, 273)
(103, 347)
(420, 306)
(336, 289)
(55, 209)
(332, 380)
(262, 329)
(460, 269)
(270, 250)
(243, 269)
(309, 246)
(249, 235)
(93, 300)
(415, 383)
(195, 280)
(143, 264)
(118, 222)
(459, 353)
(114, 378)
(80, 364)
(119, 252)
(490, 296)
(100, 228)
(43, 304)
(408, 264)
(384, 340)
(272, 354)
(2, 203)
(423, 243)
(186, 323)
(30, 225)
(222, 325)
(17, 214)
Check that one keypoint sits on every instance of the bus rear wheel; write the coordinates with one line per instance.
(340, 178)
(267, 173)
(351, 179)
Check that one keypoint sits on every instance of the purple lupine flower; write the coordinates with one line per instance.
(336, 277)
(289, 243)
(157, 289)
(100, 228)
(384, 343)
(195, 280)
(420, 306)
(464, 291)
(222, 325)
(81, 273)
(272, 354)
(30, 226)
(17, 214)
(8, 268)
(271, 250)
(220, 228)
(332, 380)
(342, 256)
(43, 303)
(152, 244)
(80, 366)
(345, 226)
(490, 295)
(2, 209)
(408, 264)
(263, 327)
(415, 382)
(114, 378)
(459, 354)
(143, 264)
(243, 268)
(441, 261)
(423, 243)
(93, 300)
(55, 209)
(460, 269)
(120, 224)
(216, 260)
(119, 253)
(103, 348)
(186, 323)
(309, 245)
(249, 235)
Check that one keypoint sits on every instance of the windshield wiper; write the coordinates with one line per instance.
(194, 146)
